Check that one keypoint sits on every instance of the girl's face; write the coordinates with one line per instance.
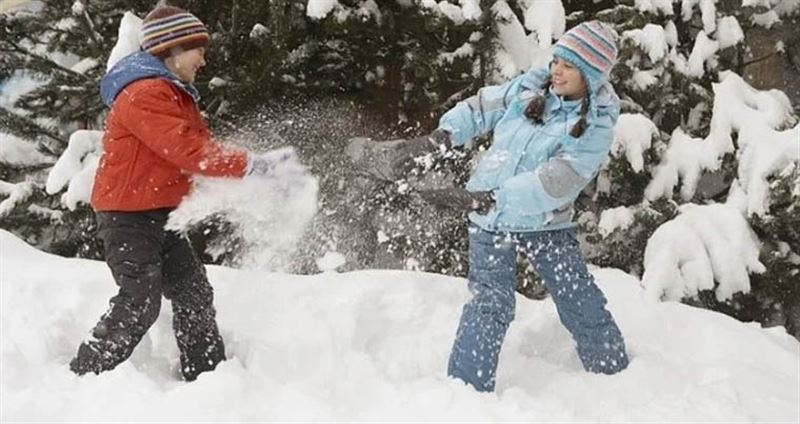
(566, 79)
(185, 63)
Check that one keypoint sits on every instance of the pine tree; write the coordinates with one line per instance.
(390, 65)
(62, 45)
(278, 76)
(682, 99)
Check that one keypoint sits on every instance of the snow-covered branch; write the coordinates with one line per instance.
(704, 245)
(76, 168)
(16, 193)
(738, 108)
(19, 153)
(633, 134)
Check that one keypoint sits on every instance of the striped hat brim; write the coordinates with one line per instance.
(181, 29)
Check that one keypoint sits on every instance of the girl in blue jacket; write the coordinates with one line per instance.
(552, 130)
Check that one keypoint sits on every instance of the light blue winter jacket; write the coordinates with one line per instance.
(536, 171)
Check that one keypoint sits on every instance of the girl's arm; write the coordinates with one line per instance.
(480, 113)
(558, 181)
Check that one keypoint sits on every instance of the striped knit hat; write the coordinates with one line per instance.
(592, 48)
(166, 27)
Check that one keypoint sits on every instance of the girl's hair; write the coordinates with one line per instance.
(535, 110)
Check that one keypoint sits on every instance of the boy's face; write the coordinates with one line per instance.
(185, 63)
(566, 79)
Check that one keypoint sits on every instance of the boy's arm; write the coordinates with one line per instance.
(148, 110)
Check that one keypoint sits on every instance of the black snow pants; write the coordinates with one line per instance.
(147, 262)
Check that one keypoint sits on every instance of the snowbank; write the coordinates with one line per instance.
(373, 345)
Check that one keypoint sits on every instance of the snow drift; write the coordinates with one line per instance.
(372, 345)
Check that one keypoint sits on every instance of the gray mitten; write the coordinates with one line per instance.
(459, 199)
(391, 160)
(403, 154)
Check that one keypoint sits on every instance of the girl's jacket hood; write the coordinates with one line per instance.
(134, 67)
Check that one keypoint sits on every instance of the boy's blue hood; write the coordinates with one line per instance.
(136, 66)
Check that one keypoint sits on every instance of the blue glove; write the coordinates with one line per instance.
(268, 164)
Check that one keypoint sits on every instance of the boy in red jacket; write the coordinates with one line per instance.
(154, 141)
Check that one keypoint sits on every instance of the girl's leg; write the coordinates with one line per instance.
(485, 318)
(557, 258)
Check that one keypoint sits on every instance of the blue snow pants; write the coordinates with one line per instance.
(557, 259)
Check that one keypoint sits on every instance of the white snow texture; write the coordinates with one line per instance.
(372, 346)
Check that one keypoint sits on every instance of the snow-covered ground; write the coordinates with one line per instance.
(373, 346)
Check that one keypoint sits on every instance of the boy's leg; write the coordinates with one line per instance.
(194, 317)
(485, 318)
(557, 258)
(132, 244)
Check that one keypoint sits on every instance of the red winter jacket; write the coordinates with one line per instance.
(155, 139)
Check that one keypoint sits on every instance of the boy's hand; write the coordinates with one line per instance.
(265, 164)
